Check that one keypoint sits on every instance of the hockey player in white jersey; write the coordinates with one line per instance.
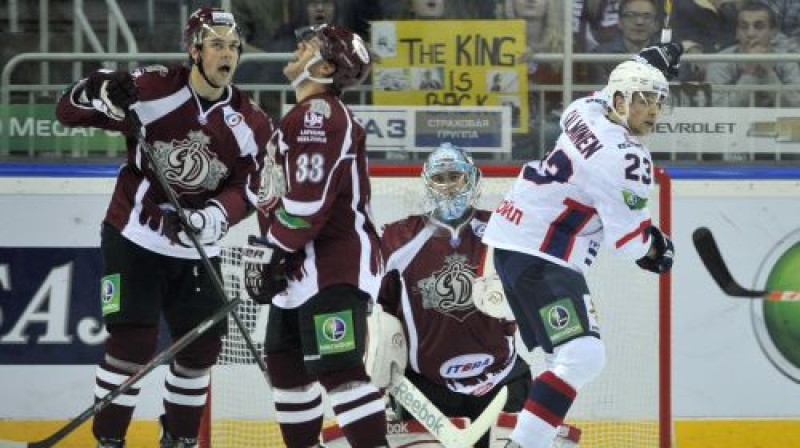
(591, 189)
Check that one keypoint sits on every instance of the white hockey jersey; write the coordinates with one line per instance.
(593, 186)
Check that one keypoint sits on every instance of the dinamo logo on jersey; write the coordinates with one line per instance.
(189, 163)
(449, 290)
(273, 182)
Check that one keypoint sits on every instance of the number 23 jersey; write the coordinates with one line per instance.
(591, 189)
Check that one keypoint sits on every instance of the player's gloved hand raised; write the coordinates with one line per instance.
(665, 57)
(265, 267)
(111, 93)
(661, 253)
(208, 224)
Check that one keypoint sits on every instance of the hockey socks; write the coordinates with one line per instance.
(359, 407)
(548, 402)
(184, 401)
(112, 422)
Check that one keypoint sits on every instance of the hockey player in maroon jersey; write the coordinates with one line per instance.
(325, 268)
(459, 357)
(209, 140)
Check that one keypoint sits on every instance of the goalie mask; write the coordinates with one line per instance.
(451, 181)
(630, 78)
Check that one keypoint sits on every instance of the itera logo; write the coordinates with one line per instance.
(334, 329)
(777, 324)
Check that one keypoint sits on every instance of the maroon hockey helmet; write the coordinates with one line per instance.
(202, 20)
(342, 48)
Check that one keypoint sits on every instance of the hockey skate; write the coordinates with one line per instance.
(168, 441)
(110, 443)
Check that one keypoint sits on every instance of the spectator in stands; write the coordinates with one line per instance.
(299, 14)
(594, 22)
(703, 26)
(639, 27)
(437, 9)
(258, 19)
(544, 34)
(788, 14)
(756, 31)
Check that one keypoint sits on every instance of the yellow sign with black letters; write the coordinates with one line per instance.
(452, 63)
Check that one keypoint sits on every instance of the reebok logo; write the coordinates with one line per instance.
(418, 407)
(396, 428)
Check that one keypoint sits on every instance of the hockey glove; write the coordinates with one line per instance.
(209, 225)
(264, 270)
(111, 93)
(490, 298)
(665, 57)
(663, 253)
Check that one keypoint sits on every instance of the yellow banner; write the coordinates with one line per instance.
(450, 63)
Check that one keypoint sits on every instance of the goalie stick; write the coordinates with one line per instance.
(162, 357)
(709, 253)
(418, 405)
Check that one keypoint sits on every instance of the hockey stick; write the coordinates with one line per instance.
(666, 31)
(188, 229)
(418, 405)
(165, 355)
(712, 258)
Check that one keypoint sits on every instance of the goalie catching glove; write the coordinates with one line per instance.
(489, 297)
(111, 93)
(209, 225)
(265, 267)
(386, 351)
(661, 254)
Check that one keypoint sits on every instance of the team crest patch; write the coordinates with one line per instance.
(633, 201)
(320, 107)
(110, 294)
(560, 320)
(232, 119)
(313, 120)
(449, 289)
(334, 332)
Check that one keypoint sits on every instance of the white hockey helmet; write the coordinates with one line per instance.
(630, 77)
(451, 198)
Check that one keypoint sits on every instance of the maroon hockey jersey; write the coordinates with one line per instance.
(323, 215)
(207, 154)
(429, 288)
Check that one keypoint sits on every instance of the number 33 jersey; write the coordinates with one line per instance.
(321, 209)
(592, 187)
